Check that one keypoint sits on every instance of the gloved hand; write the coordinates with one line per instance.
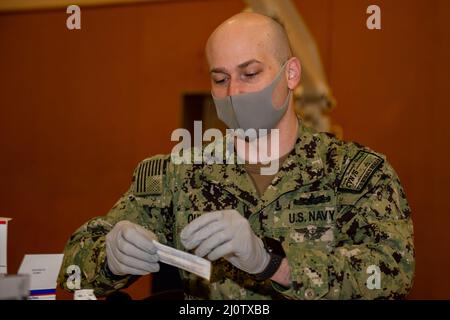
(130, 250)
(226, 234)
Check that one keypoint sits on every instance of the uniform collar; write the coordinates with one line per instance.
(302, 167)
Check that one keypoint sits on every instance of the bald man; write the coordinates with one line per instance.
(332, 222)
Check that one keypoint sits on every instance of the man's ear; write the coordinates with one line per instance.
(294, 70)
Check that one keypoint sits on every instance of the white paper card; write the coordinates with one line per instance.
(84, 294)
(43, 270)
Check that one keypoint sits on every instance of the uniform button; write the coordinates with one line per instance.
(309, 294)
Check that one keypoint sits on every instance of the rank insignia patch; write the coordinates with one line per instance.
(359, 171)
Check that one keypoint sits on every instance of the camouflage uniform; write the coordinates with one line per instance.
(337, 208)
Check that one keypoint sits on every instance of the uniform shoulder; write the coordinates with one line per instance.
(353, 163)
(359, 170)
(343, 148)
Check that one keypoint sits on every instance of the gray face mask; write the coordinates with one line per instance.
(253, 110)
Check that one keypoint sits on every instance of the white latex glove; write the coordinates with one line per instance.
(226, 234)
(130, 250)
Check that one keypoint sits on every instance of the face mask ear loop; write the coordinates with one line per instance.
(286, 101)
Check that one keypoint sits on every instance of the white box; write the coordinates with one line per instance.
(3, 244)
(43, 270)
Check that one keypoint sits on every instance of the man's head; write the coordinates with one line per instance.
(246, 52)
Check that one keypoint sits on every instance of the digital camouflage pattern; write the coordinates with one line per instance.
(337, 208)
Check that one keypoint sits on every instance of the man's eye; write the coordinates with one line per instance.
(251, 74)
(219, 81)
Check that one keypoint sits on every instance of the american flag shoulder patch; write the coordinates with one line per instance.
(148, 178)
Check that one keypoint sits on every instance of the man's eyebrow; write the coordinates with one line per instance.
(218, 70)
(240, 66)
(247, 63)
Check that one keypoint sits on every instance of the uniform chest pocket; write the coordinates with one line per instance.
(307, 218)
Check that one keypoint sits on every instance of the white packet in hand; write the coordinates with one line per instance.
(184, 260)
